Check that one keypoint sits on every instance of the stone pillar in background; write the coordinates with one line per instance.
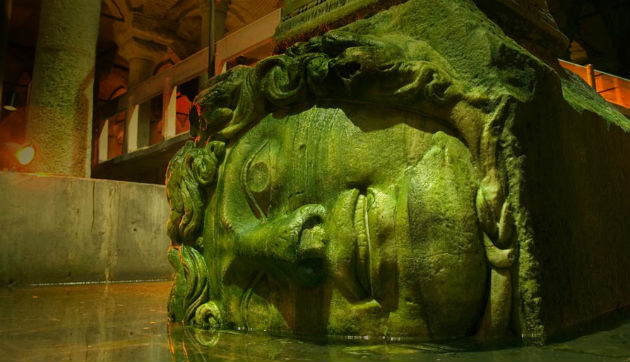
(530, 23)
(60, 109)
(220, 13)
(4, 28)
(142, 56)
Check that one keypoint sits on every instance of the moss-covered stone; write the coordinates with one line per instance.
(417, 173)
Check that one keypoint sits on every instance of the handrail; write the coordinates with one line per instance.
(612, 88)
(248, 38)
(232, 45)
(187, 69)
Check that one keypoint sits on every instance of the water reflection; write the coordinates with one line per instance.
(128, 322)
(187, 344)
(115, 322)
(194, 345)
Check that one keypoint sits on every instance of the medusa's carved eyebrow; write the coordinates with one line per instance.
(255, 178)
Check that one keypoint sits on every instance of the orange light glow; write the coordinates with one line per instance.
(25, 155)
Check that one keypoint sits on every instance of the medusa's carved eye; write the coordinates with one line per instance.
(256, 180)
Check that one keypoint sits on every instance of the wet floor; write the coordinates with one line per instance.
(128, 322)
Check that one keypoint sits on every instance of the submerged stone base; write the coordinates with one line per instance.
(416, 173)
(577, 195)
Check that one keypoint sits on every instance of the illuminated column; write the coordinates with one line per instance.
(220, 13)
(142, 56)
(5, 19)
(60, 110)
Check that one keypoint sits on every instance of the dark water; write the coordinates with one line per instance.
(127, 322)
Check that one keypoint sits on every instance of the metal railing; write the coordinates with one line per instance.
(253, 37)
(614, 89)
(250, 38)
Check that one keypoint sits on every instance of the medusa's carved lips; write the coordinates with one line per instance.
(362, 229)
(374, 223)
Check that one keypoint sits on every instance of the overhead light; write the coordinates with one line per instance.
(11, 106)
(25, 154)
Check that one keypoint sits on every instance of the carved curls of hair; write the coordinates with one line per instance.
(189, 175)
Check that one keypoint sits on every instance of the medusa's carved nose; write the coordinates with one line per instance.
(298, 231)
(296, 240)
(312, 241)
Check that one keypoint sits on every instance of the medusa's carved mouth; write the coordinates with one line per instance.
(362, 229)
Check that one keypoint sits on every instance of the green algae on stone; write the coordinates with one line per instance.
(377, 181)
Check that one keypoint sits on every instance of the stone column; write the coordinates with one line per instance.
(142, 56)
(4, 36)
(220, 13)
(60, 110)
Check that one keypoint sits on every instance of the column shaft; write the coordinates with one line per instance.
(207, 31)
(4, 36)
(139, 70)
(60, 109)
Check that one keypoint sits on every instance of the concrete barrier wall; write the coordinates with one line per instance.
(64, 230)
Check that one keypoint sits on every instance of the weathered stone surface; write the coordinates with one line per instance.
(417, 173)
(303, 19)
(60, 106)
(530, 23)
(577, 169)
(63, 230)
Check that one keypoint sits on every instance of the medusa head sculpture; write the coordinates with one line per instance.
(351, 186)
